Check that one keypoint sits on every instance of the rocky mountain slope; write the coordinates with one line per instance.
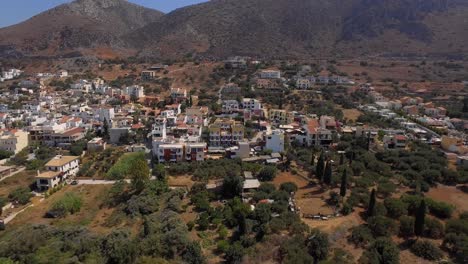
(300, 28)
(82, 24)
(267, 28)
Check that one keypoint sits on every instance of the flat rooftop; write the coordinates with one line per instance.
(61, 160)
(48, 175)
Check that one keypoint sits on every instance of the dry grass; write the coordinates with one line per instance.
(92, 197)
(351, 114)
(22, 179)
(450, 195)
(181, 181)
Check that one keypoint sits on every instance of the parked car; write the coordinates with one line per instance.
(54, 214)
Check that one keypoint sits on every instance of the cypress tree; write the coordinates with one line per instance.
(320, 166)
(328, 173)
(344, 183)
(368, 141)
(371, 208)
(420, 218)
(465, 105)
(105, 128)
(312, 159)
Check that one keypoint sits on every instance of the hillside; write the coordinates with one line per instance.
(282, 28)
(266, 28)
(80, 25)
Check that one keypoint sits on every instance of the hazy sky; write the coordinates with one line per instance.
(14, 11)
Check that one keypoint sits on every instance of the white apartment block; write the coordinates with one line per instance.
(303, 84)
(58, 169)
(14, 140)
(178, 93)
(270, 74)
(82, 85)
(275, 141)
(10, 74)
(252, 104)
(230, 106)
(104, 113)
(159, 128)
(134, 91)
(178, 151)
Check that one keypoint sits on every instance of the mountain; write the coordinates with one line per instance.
(266, 28)
(298, 28)
(77, 26)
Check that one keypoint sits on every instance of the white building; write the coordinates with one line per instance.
(62, 74)
(178, 93)
(230, 106)
(270, 74)
(252, 104)
(10, 74)
(82, 85)
(104, 113)
(134, 91)
(58, 169)
(159, 128)
(96, 144)
(303, 84)
(275, 141)
(14, 140)
(170, 152)
(195, 151)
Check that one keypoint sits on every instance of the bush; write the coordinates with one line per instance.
(4, 154)
(386, 188)
(141, 204)
(459, 226)
(395, 207)
(268, 173)
(406, 226)
(288, 187)
(434, 228)
(361, 236)
(440, 209)
(22, 195)
(222, 246)
(427, 250)
(382, 226)
(232, 186)
(234, 253)
(457, 244)
(123, 167)
(190, 225)
(70, 203)
(347, 209)
(203, 221)
(383, 250)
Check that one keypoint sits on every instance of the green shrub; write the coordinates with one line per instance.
(433, 228)
(69, 203)
(361, 236)
(427, 250)
(440, 209)
(382, 226)
(122, 168)
(406, 226)
(395, 207)
(268, 173)
(22, 195)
